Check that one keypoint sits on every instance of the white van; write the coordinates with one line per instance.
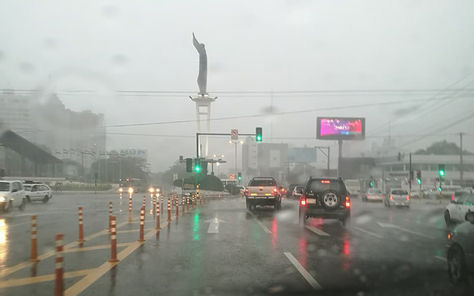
(11, 195)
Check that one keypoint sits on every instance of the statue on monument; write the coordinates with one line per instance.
(202, 77)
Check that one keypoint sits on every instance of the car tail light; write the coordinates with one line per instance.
(408, 197)
(246, 191)
(348, 202)
(303, 201)
(383, 196)
(391, 197)
(325, 181)
(275, 191)
(452, 197)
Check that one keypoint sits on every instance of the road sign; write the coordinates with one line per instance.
(234, 134)
(232, 177)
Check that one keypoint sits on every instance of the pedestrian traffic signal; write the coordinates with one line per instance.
(197, 165)
(239, 176)
(258, 134)
(189, 165)
(441, 171)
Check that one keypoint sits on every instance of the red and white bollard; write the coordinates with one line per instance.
(81, 229)
(144, 201)
(187, 203)
(183, 203)
(130, 209)
(59, 285)
(142, 225)
(161, 206)
(169, 209)
(34, 246)
(177, 207)
(158, 226)
(113, 240)
(110, 215)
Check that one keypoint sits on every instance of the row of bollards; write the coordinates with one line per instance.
(112, 229)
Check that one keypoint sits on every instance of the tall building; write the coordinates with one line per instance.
(15, 113)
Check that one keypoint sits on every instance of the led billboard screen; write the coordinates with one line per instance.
(341, 128)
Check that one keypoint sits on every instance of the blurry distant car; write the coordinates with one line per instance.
(11, 195)
(289, 190)
(37, 192)
(373, 194)
(398, 197)
(242, 190)
(297, 192)
(353, 186)
(282, 191)
(460, 254)
(461, 204)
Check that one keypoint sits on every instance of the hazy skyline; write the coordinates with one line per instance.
(268, 46)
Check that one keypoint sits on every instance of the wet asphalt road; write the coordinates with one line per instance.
(220, 248)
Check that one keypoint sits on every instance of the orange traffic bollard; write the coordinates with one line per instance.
(158, 226)
(59, 286)
(169, 209)
(177, 207)
(81, 229)
(34, 246)
(113, 240)
(142, 225)
(161, 206)
(110, 214)
(130, 209)
(183, 203)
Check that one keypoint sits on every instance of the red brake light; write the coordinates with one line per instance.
(303, 202)
(348, 202)
(325, 181)
(452, 197)
(408, 197)
(391, 197)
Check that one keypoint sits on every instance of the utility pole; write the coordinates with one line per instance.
(235, 165)
(410, 175)
(461, 164)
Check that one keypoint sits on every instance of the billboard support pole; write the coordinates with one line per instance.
(339, 158)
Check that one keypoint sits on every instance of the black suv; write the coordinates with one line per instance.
(325, 198)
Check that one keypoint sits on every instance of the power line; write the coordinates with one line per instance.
(271, 114)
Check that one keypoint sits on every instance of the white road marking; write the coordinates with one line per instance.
(213, 226)
(306, 275)
(388, 225)
(260, 223)
(367, 232)
(317, 231)
(441, 258)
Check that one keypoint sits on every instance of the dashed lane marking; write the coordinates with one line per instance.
(317, 231)
(42, 278)
(367, 232)
(260, 223)
(306, 275)
(388, 225)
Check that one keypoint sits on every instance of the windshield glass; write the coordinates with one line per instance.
(399, 192)
(262, 182)
(27, 187)
(4, 186)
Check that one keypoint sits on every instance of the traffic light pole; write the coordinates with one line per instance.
(213, 134)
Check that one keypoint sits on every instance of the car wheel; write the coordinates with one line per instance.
(457, 265)
(23, 205)
(447, 218)
(28, 199)
(45, 199)
(330, 200)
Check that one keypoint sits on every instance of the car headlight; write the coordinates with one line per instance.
(2, 199)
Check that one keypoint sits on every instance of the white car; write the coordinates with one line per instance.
(460, 205)
(11, 195)
(374, 194)
(37, 192)
(397, 197)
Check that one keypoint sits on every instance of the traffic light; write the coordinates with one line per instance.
(371, 183)
(418, 177)
(239, 176)
(189, 165)
(258, 134)
(197, 165)
(441, 170)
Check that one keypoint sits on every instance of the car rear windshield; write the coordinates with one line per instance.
(4, 186)
(262, 182)
(399, 192)
(27, 187)
(323, 185)
(375, 191)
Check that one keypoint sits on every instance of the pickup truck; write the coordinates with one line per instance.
(262, 191)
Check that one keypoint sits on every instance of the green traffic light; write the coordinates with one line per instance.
(197, 168)
(418, 181)
(441, 173)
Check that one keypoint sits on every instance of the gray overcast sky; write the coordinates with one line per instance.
(251, 45)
